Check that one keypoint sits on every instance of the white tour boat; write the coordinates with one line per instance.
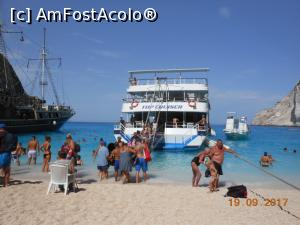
(168, 108)
(236, 127)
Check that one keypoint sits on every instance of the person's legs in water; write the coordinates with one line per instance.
(126, 177)
(6, 171)
(106, 172)
(18, 160)
(44, 164)
(214, 177)
(116, 175)
(137, 177)
(29, 160)
(101, 173)
(48, 157)
(217, 182)
(145, 169)
(34, 160)
(138, 169)
(196, 174)
(116, 169)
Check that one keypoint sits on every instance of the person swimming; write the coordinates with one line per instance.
(285, 149)
(295, 151)
(266, 160)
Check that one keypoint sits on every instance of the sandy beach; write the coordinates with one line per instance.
(25, 202)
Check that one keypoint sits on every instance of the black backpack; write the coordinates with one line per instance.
(77, 148)
(239, 191)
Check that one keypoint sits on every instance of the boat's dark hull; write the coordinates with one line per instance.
(31, 125)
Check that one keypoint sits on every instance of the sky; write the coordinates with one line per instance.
(251, 47)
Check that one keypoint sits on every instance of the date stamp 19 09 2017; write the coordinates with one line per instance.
(253, 202)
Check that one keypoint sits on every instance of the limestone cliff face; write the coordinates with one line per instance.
(285, 113)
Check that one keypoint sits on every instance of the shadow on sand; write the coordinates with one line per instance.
(19, 182)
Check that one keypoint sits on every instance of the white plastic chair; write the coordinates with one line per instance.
(59, 175)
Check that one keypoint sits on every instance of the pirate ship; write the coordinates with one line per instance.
(21, 112)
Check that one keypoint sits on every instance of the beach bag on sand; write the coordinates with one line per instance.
(239, 191)
(77, 148)
(147, 153)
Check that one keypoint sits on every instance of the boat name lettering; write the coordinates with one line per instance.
(163, 106)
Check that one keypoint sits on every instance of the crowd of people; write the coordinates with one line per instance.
(12, 150)
(123, 157)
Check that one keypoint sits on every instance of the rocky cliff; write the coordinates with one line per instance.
(285, 113)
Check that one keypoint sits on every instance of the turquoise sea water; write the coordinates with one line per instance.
(174, 166)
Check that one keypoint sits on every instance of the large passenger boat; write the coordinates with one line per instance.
(169, 107)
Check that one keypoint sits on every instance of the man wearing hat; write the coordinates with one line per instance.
(8, 143)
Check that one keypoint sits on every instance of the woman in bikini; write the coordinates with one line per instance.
(46, 148)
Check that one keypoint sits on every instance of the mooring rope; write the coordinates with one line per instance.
(261, 169)
(267, 172)
(270, 174)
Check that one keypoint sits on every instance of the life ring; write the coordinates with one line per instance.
(134, 104)
(192, 103)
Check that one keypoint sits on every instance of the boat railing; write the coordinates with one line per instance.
(129, 100)
(136, 82)
(181, 125)
(136, 124)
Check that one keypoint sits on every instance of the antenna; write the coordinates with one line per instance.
(45, 72)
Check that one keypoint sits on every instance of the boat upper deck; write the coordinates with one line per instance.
(167, 80)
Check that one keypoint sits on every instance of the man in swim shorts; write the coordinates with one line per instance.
(140, 163)
(102, 160)
(8, 143)
(33, 146)
(116, 156)
(216, 155)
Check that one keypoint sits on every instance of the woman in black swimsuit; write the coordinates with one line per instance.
(196, 171)
(195, 167)
(46, 148)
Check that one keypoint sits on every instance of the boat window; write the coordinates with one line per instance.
(197, 95)
(176, 96)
